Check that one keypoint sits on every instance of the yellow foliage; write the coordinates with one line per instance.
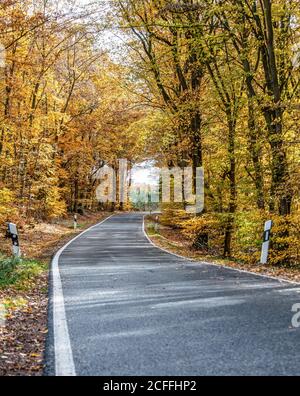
(54, 205)
(207, 227)
(173, 215)
(248, 236)
(7, 205)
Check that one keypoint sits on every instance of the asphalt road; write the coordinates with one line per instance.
(132, 309)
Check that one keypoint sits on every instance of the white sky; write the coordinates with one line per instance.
(145, 173)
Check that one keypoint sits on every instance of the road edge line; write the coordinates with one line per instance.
(63, 354)
(280, 280)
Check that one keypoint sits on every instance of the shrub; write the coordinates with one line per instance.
(19, 272)
(7, 270)
(285, 238)
(173, 215)
(285, 242)
(248, 235)
(205, 231)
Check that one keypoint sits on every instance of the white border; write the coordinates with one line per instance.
(281, 280)
(64, 362)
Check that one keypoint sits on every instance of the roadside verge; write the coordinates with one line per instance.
(171, 241)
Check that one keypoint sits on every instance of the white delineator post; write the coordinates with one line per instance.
(266, 242)
(13, 234)
(156, 226)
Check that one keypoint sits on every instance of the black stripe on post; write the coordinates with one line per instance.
(267, 236)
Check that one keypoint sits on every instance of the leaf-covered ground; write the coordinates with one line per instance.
(22, 339)
(24, 295)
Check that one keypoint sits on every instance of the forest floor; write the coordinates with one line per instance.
(24, 293)
(173, 241)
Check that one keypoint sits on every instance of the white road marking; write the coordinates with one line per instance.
(64, 362)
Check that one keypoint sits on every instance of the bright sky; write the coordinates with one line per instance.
(145, 173)
(110, 39)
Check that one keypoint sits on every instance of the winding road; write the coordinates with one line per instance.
(121, 307)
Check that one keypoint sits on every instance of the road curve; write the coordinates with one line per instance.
(131, 309)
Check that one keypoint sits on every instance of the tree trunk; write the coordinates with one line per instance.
(76, 194)
(255, 156)
(233, 189)
(281, 194)
(197, 156)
